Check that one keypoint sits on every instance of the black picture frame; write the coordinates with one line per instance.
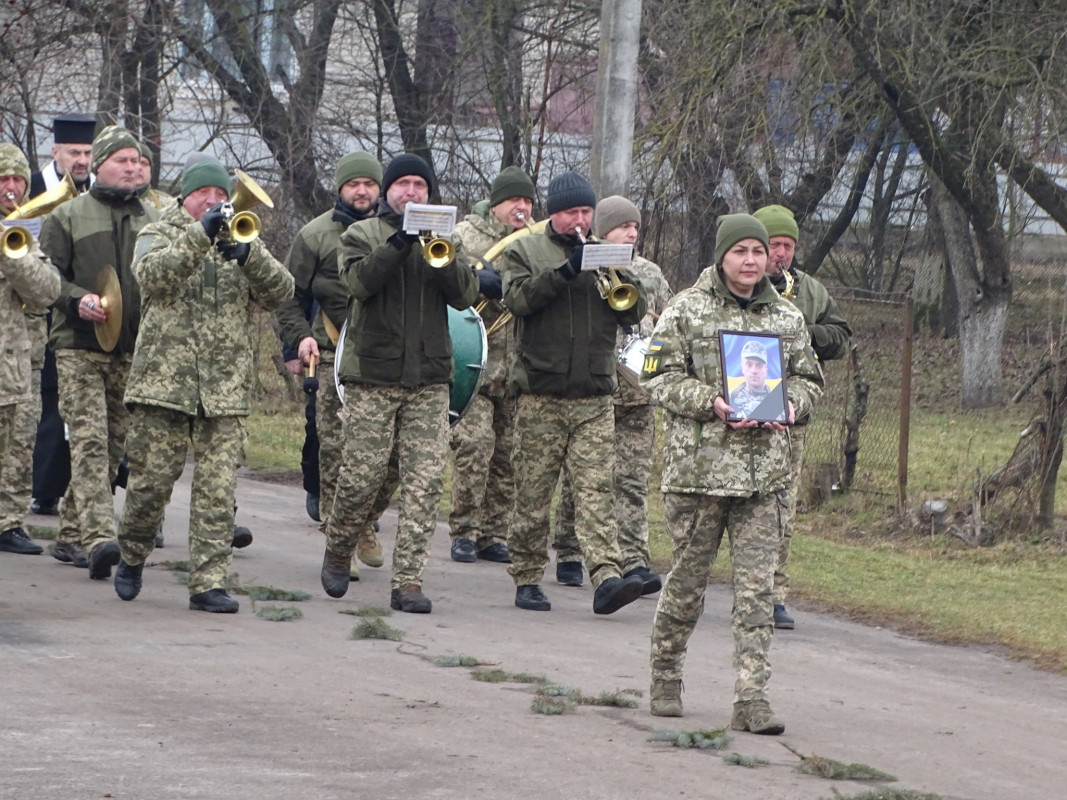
(739, 388)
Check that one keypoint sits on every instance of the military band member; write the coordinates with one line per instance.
(721, 475)
(396, 366)
(618, 221)
(563, 371)
(189, 385)
(81, 238)
(27, 284)
(483, 482)
(313, 262)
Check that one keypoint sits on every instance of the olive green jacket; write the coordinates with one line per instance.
(397, 331)
(565, 331)
(195, 349)
(683, 374)
(830, 332)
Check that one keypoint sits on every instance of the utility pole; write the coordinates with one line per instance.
(616, 97)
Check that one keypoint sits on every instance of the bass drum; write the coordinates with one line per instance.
(469, 351)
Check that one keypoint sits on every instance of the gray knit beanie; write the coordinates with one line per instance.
(611, 212)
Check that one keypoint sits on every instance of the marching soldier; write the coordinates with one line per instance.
(830, 335)
(563, 371)
(82, 237)
(483, 482)
(27, 284)
(189, 384)
(396, 365)
(720, 475)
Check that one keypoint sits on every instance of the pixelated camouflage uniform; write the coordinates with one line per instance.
(635, 443)
(483, 481)
(312, 260)
(81, 237)
(563, 370)
(395, 368)
(717, 478)
(830, 336)
(27, 286)
(745, 400)
(190, 386)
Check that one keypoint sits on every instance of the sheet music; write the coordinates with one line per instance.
(598, 256)
(441, 220)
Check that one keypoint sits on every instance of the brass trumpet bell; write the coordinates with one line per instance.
(620, 296)
(15, 241)
(244, 226)
(437, 251)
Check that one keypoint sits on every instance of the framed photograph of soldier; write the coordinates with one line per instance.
(753, 376)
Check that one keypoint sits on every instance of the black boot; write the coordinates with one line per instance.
(102, 558)
(16, 540)
(532, 598)
(214, 600)
(128, 580)
(614, 593)
(335, 573)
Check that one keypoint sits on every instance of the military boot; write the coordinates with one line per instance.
(102, 558)
(70, 553)
(410, 598)
(369, 548)
(335, 573)
(782, 620)
(666, 698)
(128, 580)
(756, 716)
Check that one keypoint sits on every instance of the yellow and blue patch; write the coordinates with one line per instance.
(650, 366)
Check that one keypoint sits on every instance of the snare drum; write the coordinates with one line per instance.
(632, 358)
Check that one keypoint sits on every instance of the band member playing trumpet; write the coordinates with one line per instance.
(483, 482)
(618, 221)
(189, 384)
(84, 238)
(27, 283)
(395, 366)
(563, 372)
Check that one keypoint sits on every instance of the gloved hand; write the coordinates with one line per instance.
(213, 221)
(573, 265)
(489, 282)
(402, 240)
(234, 251)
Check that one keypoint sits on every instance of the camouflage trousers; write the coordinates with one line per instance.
(797, 435)
(16, 463)
(158, 445)
(635, 440)
(483, 481)
(328, 425)
(375, 420)
(91, 387)
(696, 523)
(7, 423)
(575, 436)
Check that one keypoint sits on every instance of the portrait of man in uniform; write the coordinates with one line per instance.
(752, 376)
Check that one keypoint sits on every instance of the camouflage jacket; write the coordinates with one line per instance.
(473, 237)
(28, 283)
(683, 374)
(397, 331)
(657, 294)
(82, 236)
(829, 330)
(565, 332)
(194, 352)
(313, 262)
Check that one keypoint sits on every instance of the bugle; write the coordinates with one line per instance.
(243, 225)
(15, 241)
(437, 251)
(618, 295)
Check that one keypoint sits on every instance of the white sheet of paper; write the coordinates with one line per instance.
(423, 217)
(598, 256)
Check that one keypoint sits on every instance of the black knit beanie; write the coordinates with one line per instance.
(569, 190)
(407, 164)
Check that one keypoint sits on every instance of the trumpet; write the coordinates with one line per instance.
(15, 241)
(437, 251)
(618, 295)
(494, 253)
(242, 224)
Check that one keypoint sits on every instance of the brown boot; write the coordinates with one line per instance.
(369, 548)
(666, 698)
(756, 716)
(410, 598)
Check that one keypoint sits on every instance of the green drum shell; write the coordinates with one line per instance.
(469, 351)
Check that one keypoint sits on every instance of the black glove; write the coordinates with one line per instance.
(234, 251)
(402, 240)
(213, 221)
(489, 282)
(573, 265)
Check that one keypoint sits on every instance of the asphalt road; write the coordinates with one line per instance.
(107, 699)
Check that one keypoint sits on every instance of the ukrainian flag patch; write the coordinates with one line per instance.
(650, 366)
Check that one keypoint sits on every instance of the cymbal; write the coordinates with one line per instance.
(107, 286)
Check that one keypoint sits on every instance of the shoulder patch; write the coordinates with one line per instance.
(650, 366)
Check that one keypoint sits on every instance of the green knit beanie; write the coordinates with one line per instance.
(109, 141)
(356, 165)
(732, 228)
(203, 172)
(779, 221)
(511, 182)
